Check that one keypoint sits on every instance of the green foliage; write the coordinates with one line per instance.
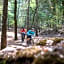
(11, 13)
(32, 4)
(1, 7)
(0, 12)
(42, 14)
(50, 12)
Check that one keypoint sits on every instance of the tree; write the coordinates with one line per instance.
(15, 19)
(4, 26)
(28, 15)
(63, 8)
(35, 12)
(36, 18)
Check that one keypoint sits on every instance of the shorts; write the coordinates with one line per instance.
(29, 36)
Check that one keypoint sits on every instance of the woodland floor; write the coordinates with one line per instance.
(11, 41)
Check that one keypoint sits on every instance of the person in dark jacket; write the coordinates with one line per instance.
(23, 32)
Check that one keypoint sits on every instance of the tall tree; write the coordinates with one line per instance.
(35, 12)
(4, 26)
(15, 19)
(35, 17)
(28, 14)
(63, 7)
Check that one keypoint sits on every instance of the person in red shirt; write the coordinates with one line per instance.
(22, 31)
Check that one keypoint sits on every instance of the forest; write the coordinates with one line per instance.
(45, 18)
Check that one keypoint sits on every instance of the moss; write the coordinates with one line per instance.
(42, 42)
(24, 60)
(2, 61)
(49, 58)
(10, 61)
(57, 40)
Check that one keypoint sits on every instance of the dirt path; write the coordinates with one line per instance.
(10, 39)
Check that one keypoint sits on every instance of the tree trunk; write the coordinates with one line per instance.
(34, 15)
(28, 15)
(15, 19)
(35, 12)
(4, 26)
(63, 6)
(36, 22)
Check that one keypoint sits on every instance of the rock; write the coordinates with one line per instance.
(49, 42)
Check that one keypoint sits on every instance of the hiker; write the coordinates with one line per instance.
(23, 32)
(30, 33)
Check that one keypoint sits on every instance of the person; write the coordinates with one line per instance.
(30, 33)
(23, 32)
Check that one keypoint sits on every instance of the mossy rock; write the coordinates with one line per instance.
(57, 40)
(24, 60)
(49, 58)
(42, 42)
